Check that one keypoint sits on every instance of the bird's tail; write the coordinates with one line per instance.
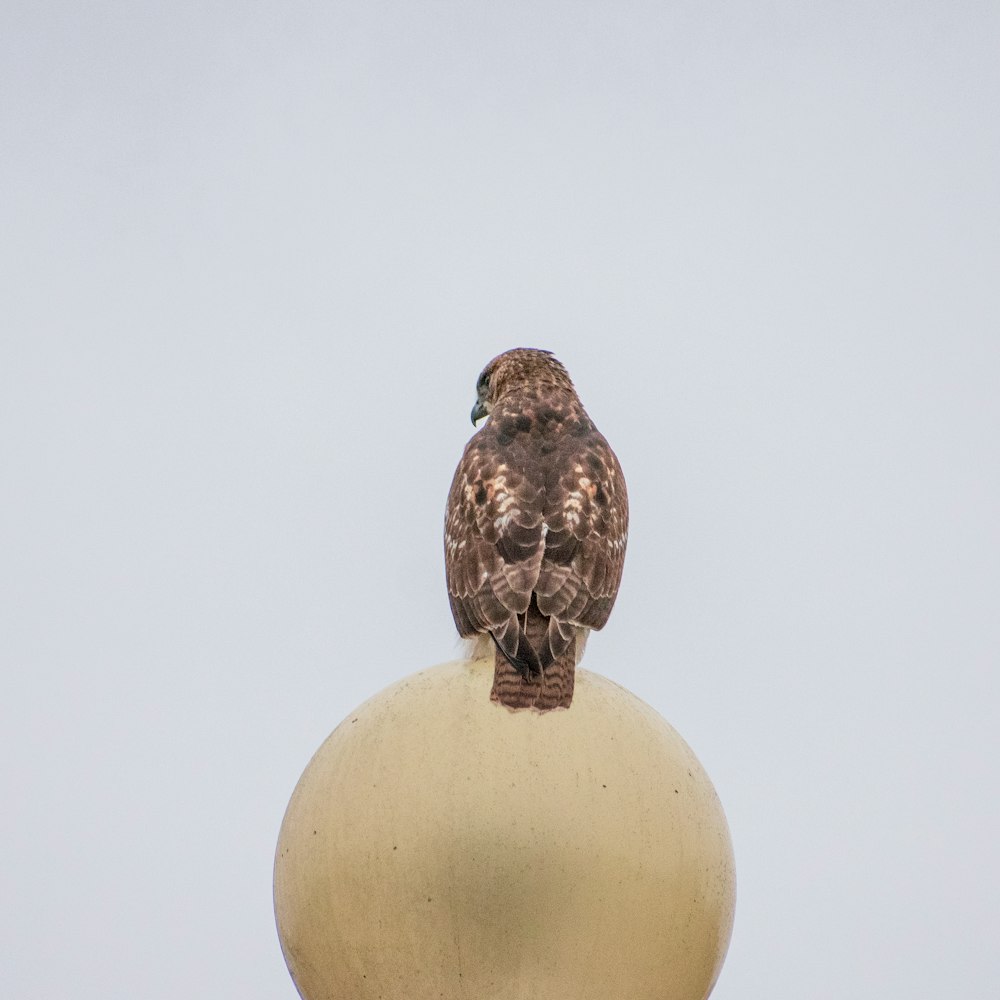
(543, 681)
(552, 688)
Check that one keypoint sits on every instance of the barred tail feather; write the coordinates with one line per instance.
(552, 688)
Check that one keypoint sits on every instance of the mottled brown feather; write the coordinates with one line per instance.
(536, 528)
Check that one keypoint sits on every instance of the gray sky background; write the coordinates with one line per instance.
(253, 258)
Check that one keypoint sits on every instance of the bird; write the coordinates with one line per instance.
(536, 528)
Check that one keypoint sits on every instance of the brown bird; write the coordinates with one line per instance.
(535, 530)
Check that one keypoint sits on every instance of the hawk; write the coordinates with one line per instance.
(535, 529)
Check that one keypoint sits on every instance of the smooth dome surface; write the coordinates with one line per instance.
(439, 845)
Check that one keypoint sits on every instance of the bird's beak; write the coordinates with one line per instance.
(478, 412)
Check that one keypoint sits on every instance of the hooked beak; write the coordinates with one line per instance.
(478, 412)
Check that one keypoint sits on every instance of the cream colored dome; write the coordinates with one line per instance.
(439, 845)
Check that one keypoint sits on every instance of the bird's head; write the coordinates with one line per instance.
(514, 370)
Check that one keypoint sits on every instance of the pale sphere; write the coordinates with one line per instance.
(439, 845)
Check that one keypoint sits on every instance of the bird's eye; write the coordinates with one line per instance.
(484, 381)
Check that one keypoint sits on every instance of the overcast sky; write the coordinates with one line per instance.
(253, 259)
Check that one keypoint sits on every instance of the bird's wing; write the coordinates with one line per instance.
(587, 518)
(494, 545)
